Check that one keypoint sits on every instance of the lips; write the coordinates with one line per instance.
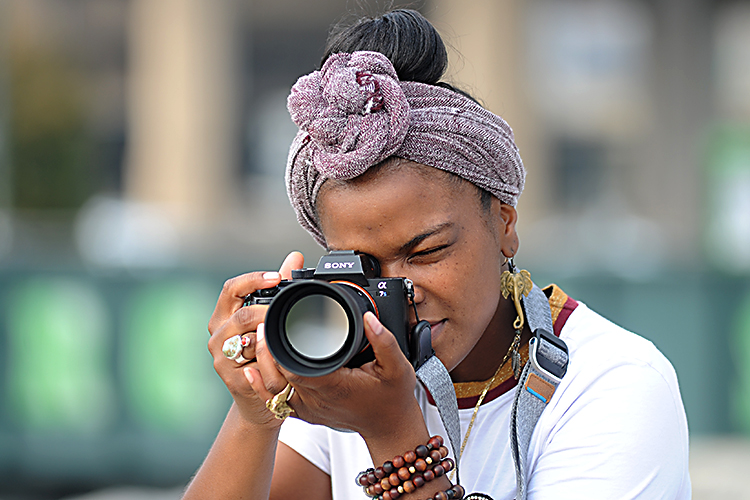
(433, 324)
(436, 327)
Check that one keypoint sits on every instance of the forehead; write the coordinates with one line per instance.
(385, 210)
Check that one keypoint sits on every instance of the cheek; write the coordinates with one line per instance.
(479, 285)
(466, 286)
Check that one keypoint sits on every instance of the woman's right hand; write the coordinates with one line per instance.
(230, 318)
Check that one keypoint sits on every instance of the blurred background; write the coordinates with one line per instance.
(142, 149)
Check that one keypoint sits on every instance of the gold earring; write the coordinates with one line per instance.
(515, 283)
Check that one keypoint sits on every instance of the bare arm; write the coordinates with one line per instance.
(240, 463)
(296, 477)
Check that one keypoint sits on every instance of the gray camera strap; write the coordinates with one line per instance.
(436, 379)
(548, 362)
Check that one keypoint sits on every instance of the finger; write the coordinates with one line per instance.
(244, 321)
(233, 295)
(254, 377)
(227, 369)
(248, 351)
(295, 260)
(272, 378)
(257, 383)
(384, 345)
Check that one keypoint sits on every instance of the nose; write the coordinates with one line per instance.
(418, 294)
(419, 297)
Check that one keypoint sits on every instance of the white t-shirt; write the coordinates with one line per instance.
(614, 429)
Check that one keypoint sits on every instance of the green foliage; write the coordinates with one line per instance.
(49, 146)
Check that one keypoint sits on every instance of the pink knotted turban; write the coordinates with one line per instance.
(354, 113)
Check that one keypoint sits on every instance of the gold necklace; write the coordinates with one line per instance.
(513, 346)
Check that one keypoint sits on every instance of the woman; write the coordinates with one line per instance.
(392, 163)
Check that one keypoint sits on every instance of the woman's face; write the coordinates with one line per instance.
(421, 224)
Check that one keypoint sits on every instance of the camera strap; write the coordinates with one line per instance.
(548, 363)
(434, 375)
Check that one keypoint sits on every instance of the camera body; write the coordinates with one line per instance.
(314, 322)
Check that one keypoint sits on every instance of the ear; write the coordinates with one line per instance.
(506, 224)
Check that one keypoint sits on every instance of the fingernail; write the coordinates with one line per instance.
(375, 325)
(260, 333)
(271, 276)
(249, 375)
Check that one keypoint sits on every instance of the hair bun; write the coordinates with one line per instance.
(404, 36)
(355, 111)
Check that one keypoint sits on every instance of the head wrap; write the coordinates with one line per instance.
(355, 113)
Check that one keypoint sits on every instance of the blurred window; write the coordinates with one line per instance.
(578, 171)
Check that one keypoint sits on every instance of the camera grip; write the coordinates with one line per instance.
(421, 344)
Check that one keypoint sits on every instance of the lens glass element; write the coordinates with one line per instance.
(317, 326)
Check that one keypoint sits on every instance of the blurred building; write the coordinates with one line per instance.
(142, 149)
(626, 113)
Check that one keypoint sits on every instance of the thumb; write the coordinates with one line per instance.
(387, 352)
(295, 260)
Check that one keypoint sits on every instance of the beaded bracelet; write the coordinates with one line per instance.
(423, 455)
(404, 474)
(402, 467)
(387, 490)
(455, 492)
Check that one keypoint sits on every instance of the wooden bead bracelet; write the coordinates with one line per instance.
(455, 492)
(404, 474)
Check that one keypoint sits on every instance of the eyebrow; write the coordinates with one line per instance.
(421, 237)
(417, 239)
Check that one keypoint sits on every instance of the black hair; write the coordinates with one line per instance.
(404, 36)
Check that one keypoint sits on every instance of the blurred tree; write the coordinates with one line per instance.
(49, 148)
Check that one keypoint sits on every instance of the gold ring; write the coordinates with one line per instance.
(279, 406)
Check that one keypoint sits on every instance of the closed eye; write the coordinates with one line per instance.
(430, 252)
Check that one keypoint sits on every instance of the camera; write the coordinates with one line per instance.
(314, 322)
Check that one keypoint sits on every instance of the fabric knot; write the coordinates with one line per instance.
(354, 111)
(375, 100)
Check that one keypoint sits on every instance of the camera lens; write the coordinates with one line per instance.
(314, 327)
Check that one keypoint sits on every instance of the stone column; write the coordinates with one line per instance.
(183, 138)
(673, 158)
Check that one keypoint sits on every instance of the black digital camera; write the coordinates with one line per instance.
(314, 322)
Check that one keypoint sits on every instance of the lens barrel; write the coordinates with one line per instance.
(314, 327)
